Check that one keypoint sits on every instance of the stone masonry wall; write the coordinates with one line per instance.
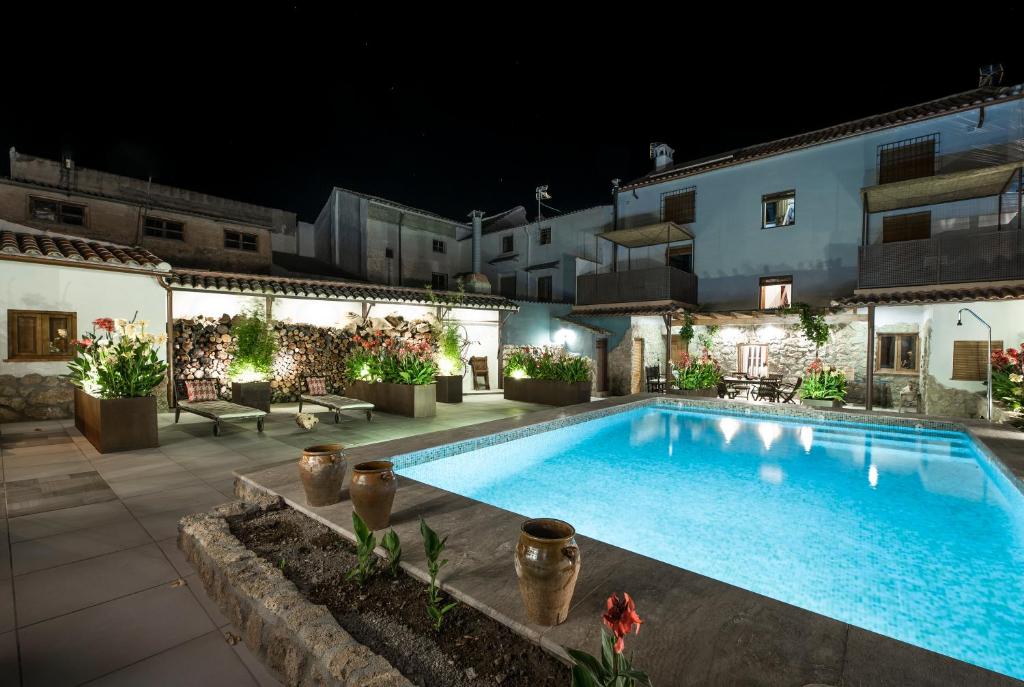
(35, 397)
(652, 331)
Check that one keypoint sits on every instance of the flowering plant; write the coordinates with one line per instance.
(545, 362)
(698, 373)
(823, 383)
(1008, 377)
(613, 669)
(390, 359)
(118, 359)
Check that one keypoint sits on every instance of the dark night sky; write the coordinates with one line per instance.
(275, 103)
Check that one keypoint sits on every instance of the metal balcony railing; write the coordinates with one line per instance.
(958, 258)
(636, 286)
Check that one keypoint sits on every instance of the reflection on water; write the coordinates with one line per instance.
(873, 476)
(729, 427)
(769, 432)
(807, 438)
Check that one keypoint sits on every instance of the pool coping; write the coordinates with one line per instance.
(698, 630)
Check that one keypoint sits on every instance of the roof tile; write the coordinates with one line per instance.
(68, 249)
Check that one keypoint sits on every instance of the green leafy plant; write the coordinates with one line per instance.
(254, 350)
(393, 546)
(546, 362)
(451, 346)
(821, 383)
(698, 373)
(433, 547)
(686, 330)
(1008, 378)
(812, 325)
(612, 669)
(380, 358)
(366, 559)
(118, 361)
(706, 338)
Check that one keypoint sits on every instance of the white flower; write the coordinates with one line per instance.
(62, 333)
(1017, 379)
(143, 324)
(120, 323)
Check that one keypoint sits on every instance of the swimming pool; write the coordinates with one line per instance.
(910, 533)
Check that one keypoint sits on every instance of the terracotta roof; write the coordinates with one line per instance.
(575, 321)
(953, 295)
(967, 100)
(70, 249)
(199, 280)
(634, 309)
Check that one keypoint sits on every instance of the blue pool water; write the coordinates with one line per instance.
(909, 533)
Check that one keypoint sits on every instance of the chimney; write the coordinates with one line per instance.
(661, 153)
(477, 282)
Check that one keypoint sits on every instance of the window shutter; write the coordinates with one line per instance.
(27, 335)
(916, 225)
(680, 208)
(906, 160)
(969, 359)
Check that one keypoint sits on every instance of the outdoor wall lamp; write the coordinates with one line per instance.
(960, 323)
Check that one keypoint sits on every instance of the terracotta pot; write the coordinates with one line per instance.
(322, 469)
(547, 565)
(373, 491)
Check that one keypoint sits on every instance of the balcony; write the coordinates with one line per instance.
(958, 258)
(637, 286)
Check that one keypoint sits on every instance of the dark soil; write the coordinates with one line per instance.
(389, 615)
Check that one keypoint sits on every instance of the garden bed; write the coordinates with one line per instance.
(388, 615)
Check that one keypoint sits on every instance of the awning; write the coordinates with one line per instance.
(543, 266)
(648, 235)
(752, 318)
(941, 188)
(503, 258)
(593, 328)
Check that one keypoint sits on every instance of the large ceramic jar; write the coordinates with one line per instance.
(372, 490)
(322, 469)
(547, 565)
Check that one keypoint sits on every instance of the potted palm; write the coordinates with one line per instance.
(396, 375)
(114, 371)
(253, 359)
(451, 346)
(823, 387)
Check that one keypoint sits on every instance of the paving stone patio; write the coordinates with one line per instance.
(93, 589)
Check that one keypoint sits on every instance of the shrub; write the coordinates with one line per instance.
(379, 358)
(821, 383)
(118, 362)
(254, 350)
(1008, 378)
(546, 362)
(451, 346)
(698, 373)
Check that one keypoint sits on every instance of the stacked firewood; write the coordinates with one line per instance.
(203, 348)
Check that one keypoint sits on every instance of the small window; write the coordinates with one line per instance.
(778, 210)
(507, 286)
(56, 211)
(544, 289)
(970, 359)
(912, 158)
(752, 359)
(508, 243)
(680, 257)
(40, 335)
(909, 227)
(240, 240)
(776, 292)
(164, 229)
(440, 246)
(679, 206)
(439, 281)
(896, 353)
(545, 236)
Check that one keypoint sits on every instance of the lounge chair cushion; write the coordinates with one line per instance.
(317, 386)
(221, 410)
(201, 390)
(335, 402)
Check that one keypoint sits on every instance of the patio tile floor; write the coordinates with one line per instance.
(93, 589)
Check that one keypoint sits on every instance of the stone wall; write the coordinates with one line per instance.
(652, 331)
(35, 397)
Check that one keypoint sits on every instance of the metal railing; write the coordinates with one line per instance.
(958, 258)
(634, 286)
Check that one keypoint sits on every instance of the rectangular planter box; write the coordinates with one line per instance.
(547, 391)
(251, 394)
(822, 403)
(116, 424)
(410, 400)
(449, 389)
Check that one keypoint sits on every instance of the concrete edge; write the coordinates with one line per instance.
(300, 642)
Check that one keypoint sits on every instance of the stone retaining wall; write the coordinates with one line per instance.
(299, 641)
(35, 397)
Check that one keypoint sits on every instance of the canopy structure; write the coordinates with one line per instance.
(648, 235)
(941, 188)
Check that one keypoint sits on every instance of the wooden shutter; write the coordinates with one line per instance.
(25, 336)
(969, 359)
(916, 225)
(906, 161)
(680, 208)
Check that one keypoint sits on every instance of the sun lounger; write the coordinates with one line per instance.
(334, 402)
(218, 411)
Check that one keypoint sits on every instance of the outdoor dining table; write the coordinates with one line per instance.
(766, 387)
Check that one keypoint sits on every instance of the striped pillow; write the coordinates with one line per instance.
(317, 386)
(201, 390)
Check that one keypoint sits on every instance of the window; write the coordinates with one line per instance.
(56, 211)
(681, 257)
(778, 210)
(909, 159)
(40, 335)
(507, 286)
(776, 292)
(916, 225)
(508, 243)
(970, 359)
(240, 240)
(679, 206)
(896, 353)
(164, 229)
(544, 289)
(752, 359)
(389, 253)
(439, 281)
(440, 247)
(545, 236)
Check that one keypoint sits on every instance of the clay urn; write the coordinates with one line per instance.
(372, 490)
(322, 469)
(547, 565)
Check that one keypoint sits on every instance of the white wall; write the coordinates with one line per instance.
(192, 304)
(319, 313)
(90, 293)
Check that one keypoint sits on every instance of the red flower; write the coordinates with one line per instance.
(104, 323)
(620, 617)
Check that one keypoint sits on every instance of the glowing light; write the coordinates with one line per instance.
(446, 367)
(518, 373)
(248, 373)
(729, 427)
(873, 476)
(772, 474)
(565, 337)
(769, 432)
(807, 438)
(364, 372)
